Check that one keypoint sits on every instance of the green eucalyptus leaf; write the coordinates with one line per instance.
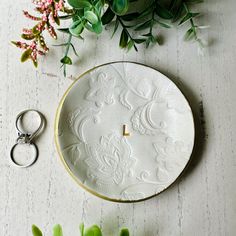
(154, 39)
(163, 24)
(130, 44)
(147, 35)
(146, 12)
(64, 30)
(91, 17)
(93, 231)
(189, 35)
(138, 41)
(115, 27)
(163, 12)
(130, 17)
(98, 8)
(124, 232)
(175, 5)
(74, 50)
(124, 39)
(65, 17)
(178, 13)
(188, 16)
(76, 28)
(79, 4)
(144, 25)
(66, 60)
(36, 231)
(148, 41)
(120, 7)
(57, 230)
(107, 16)
(96, 28)
(26, 55)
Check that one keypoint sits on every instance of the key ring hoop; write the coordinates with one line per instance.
(31, 162)
(25, 138)
(36, 132)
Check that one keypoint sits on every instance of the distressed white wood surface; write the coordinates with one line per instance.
(202, 202)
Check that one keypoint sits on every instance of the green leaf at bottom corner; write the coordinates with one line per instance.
(66, 60)
(36, 231)
(26, 55)
(57, 230)
(93, 231)
(124, 232)
(81, 227)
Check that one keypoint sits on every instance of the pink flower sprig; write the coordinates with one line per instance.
(48, 9)
(31, 51)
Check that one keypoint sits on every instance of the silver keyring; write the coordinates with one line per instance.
(36, 132)
(33, 159)
(25, 138)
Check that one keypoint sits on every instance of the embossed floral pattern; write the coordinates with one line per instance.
(101, 89)
(102, 158)
(167, 153)
(142, 120)
(78, 118)
(110, 161)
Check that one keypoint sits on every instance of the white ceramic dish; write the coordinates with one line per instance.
(100, 156)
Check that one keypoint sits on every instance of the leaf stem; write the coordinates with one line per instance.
(68, 44)
(191, 21)
(66, 52)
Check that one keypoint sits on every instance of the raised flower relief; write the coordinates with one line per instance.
(110, 161)
(141, 87)
(174, 99)
(101, 89)
(78, 118)
(73, 151)
(168, 156)
(142, 120)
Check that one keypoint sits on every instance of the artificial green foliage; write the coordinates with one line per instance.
(93, 230)
(57, 230)
(135, 27)
(124, 232)
(36, 231)
(120, 7)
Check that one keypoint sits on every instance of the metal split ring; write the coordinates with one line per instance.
(26, 138)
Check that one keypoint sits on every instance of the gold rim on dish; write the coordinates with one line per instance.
(56, 122)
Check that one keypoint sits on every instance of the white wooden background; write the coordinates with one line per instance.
(202, 202)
